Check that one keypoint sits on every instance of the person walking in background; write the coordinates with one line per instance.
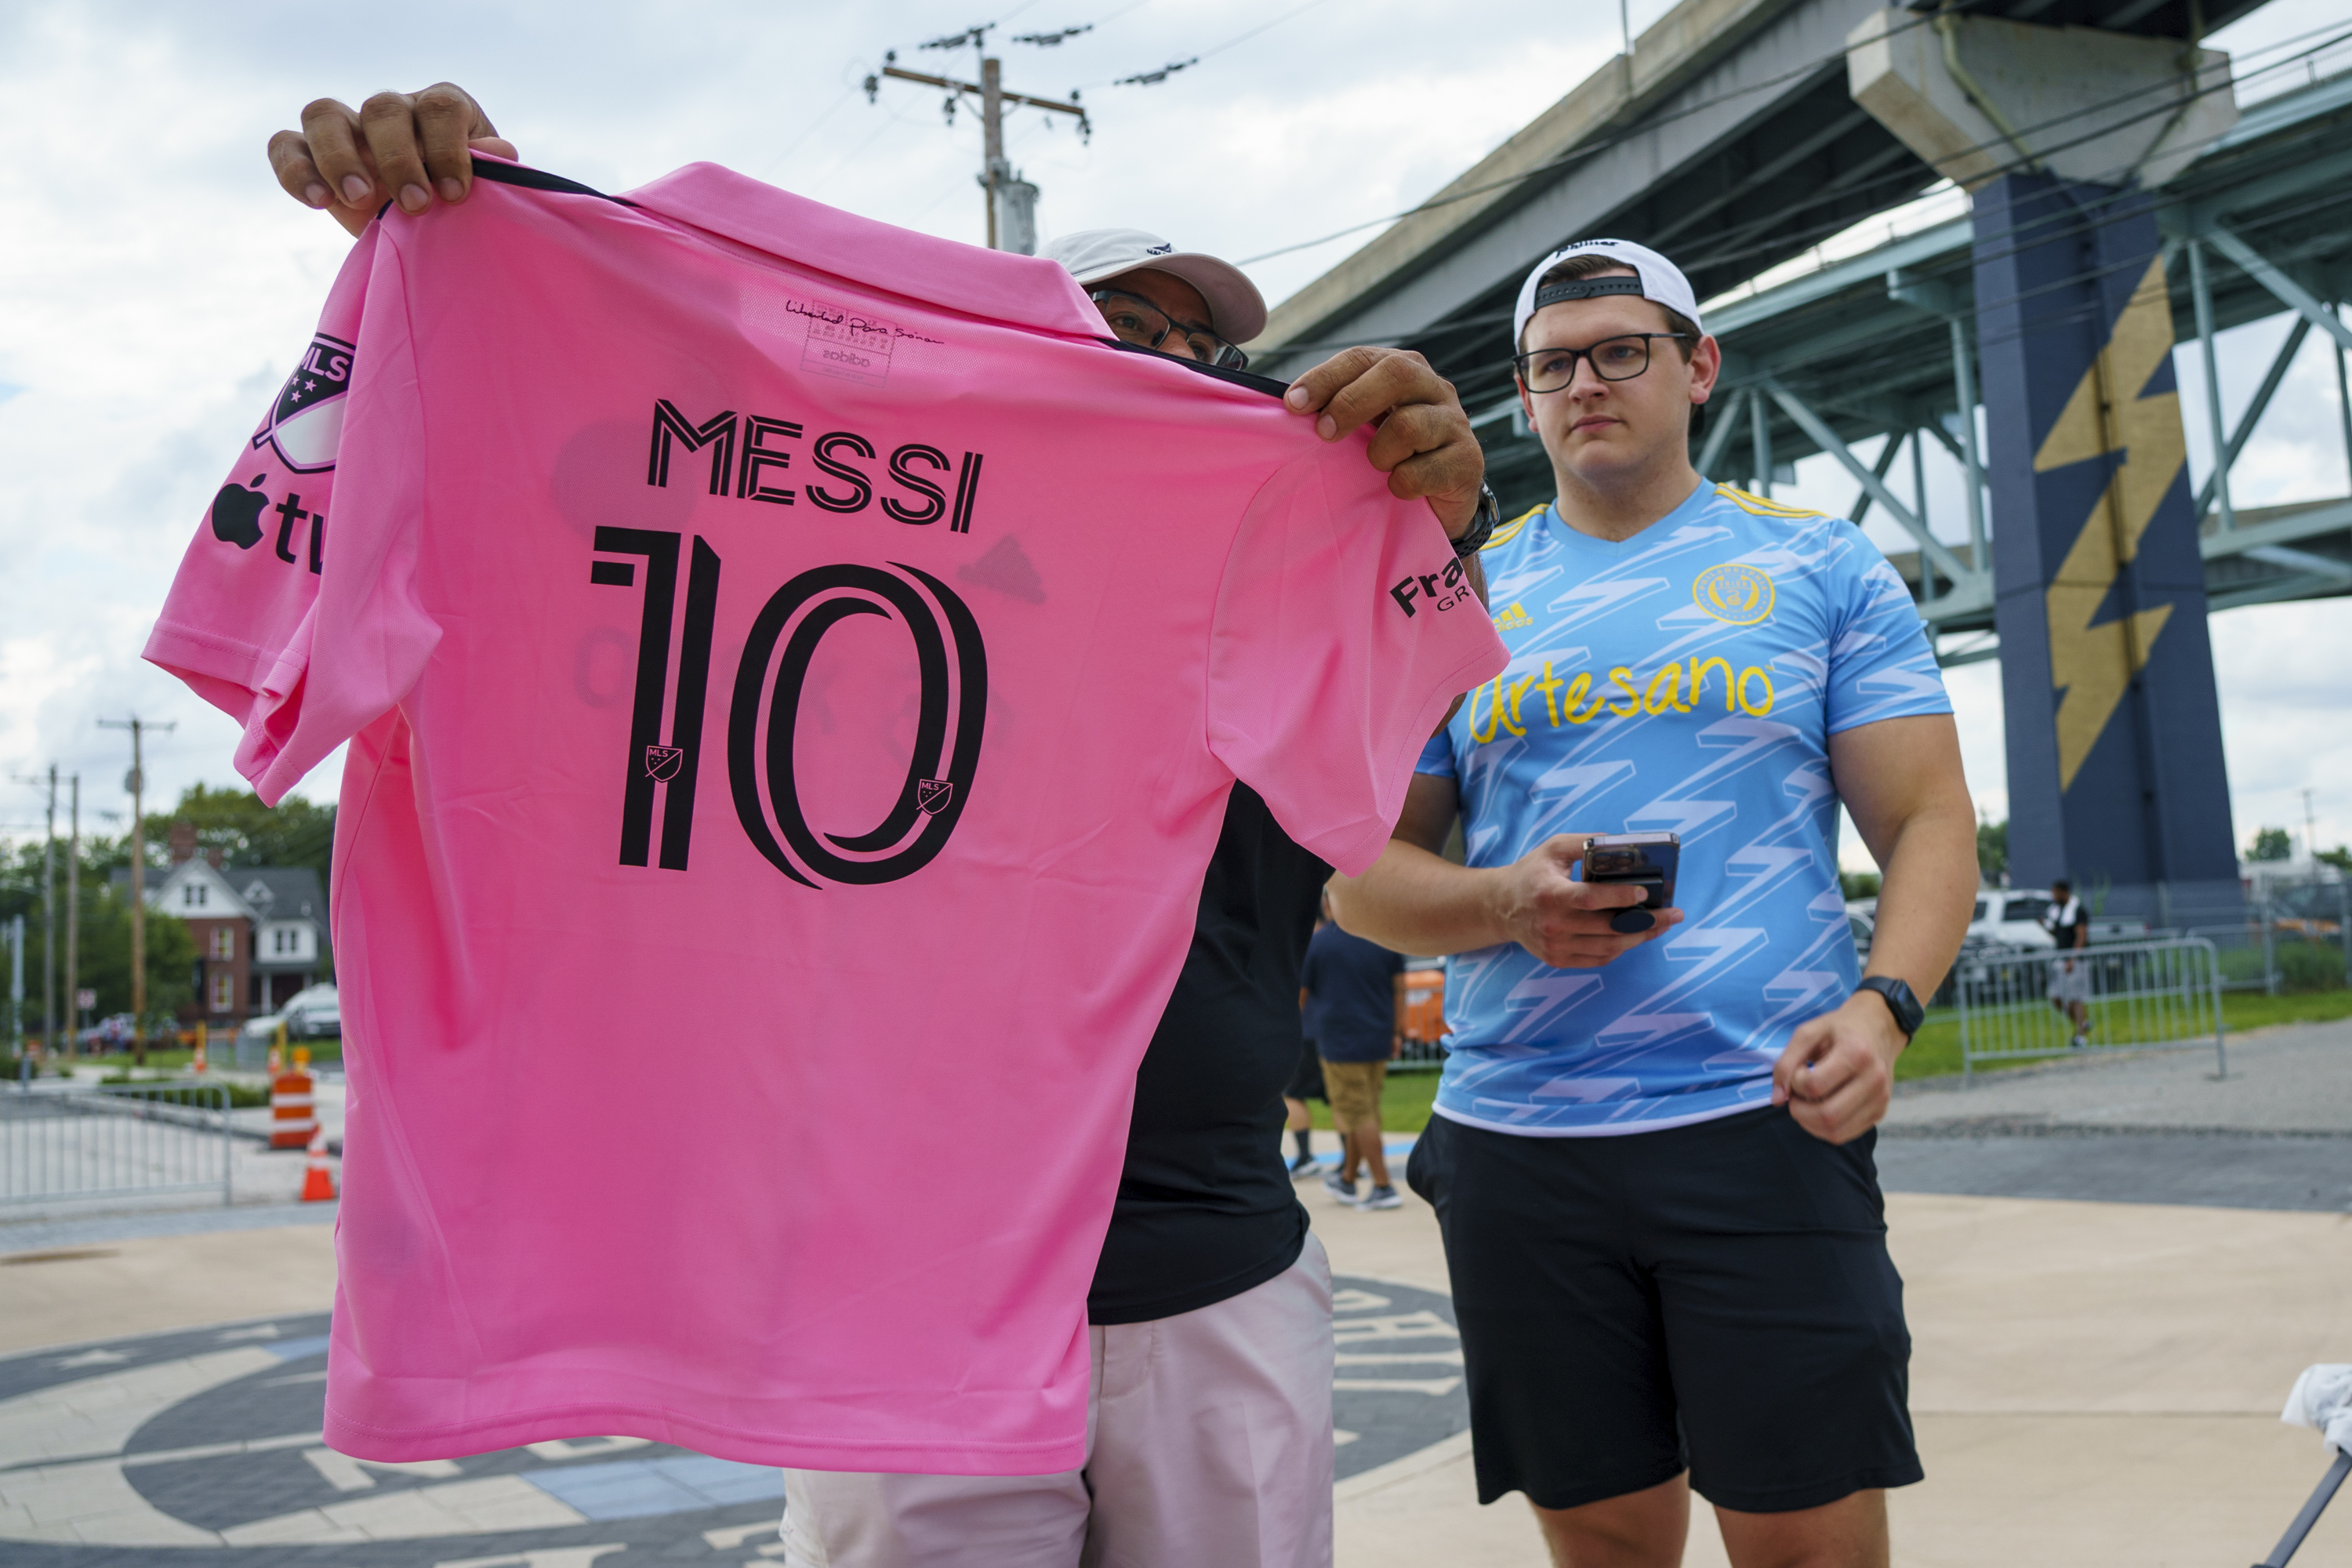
(1354, 996)
(2069, 925)
(1305, 1084)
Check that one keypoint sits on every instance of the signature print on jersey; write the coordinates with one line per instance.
(952, 710)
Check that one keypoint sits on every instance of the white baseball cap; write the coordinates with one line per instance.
(1236, 310)
(1656, 279)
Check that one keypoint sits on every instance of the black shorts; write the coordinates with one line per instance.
(1307, 1077)
(1717, 1298)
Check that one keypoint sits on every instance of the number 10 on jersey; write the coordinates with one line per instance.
(951, 711)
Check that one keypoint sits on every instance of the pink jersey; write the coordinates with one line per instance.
(794, 670)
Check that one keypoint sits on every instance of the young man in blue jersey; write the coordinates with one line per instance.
(1652, 1153)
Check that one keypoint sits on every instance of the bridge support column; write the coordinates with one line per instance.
(2116, 773)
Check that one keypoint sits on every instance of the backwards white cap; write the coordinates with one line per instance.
(1658, 280)
(1236, 310)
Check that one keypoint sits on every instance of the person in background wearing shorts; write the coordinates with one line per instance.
(1651, 1156)
(1354, 998)
(1305, 1084)
(1210, 1434)
(2069, 978)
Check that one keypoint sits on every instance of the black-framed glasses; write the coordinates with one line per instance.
(1133, 319)
(1620, 358)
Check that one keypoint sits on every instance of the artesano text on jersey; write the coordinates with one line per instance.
(1686, 679)
(793, 673)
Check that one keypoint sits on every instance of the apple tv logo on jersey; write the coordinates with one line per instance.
(237, 512)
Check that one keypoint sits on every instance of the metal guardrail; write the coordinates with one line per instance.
(2014, 1003)
(106, 1141)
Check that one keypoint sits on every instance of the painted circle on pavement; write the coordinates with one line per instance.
(209, 1439)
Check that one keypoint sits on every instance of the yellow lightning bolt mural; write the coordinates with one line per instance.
(2094, 664)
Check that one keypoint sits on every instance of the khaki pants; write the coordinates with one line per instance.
(1208, 1446)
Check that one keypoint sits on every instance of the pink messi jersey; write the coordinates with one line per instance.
(793, 672)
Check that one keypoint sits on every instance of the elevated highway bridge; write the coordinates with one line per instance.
(1729, 139)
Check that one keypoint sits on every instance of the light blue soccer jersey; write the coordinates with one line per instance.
(1687, 679)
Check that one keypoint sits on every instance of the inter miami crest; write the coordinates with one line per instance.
(306, 423)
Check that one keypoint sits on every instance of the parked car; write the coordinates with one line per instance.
(2009, 916)
(308, 1015)
(110, 1035)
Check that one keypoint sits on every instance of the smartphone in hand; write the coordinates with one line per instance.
(1647, 861)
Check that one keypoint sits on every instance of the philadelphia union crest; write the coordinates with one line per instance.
(306, 423)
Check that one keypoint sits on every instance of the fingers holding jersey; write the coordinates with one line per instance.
(1564, 922)
(1424, 443)
(398, 147)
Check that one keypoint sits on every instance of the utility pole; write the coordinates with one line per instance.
(2310, 834)
(136, 783)
(48, 910)
(73, 922)
(1012, 201)
(50, 918)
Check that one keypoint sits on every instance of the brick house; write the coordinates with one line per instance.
(261, 931)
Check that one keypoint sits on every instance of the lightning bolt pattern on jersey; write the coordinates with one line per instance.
(1686, 680)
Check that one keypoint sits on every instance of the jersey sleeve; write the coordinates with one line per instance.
(293, 609)
(1880, 664)
(1438, 757)
(1343, 628)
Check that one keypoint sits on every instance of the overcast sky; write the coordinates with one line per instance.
(155, 285)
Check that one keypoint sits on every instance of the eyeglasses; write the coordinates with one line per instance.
(1612, 359)
(1133, 319)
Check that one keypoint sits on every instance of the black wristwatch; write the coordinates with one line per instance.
(1481, 525)
(1908, 1014)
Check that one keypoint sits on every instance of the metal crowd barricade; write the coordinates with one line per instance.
(106, 1141)
(2139, 995)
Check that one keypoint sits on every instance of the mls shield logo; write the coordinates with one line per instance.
(933, 794)
(661, 761)
(306, 423)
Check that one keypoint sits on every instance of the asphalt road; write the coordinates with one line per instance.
(2156, 1128)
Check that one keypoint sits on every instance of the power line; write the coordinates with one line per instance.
(1153, 78)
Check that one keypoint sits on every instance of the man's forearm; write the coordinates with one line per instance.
(1927, 892)
(1414, 901)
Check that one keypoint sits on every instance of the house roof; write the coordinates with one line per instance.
(252, 892)
(281, 892)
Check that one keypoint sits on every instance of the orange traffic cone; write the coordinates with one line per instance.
(318, 1184)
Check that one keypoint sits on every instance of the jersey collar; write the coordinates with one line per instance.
(1684, 511)
(1021, 290)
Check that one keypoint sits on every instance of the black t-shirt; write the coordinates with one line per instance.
(1351, 996)
(1205, 1207)
(2068, 922)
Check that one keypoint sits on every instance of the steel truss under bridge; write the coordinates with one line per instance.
(1883, 344)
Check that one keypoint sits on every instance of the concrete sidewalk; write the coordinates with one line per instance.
(2093, 1382)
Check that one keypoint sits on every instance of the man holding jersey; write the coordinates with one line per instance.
(1210, 1434)
(1652, 1153)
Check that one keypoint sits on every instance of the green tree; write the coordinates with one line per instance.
(247, 833)
(106, 957)
(2271, 843)
(1993, 847)
(2340, 858)
(1858, 885)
